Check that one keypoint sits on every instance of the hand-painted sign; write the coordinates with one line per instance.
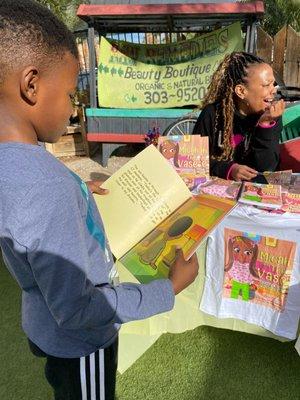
(126, 82)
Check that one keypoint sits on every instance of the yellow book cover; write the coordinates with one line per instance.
(149, 212)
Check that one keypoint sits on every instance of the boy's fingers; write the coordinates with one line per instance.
(193, 258)
(95, 187)
(178, 252)
(99, 190)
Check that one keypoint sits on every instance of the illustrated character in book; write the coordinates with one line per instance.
(189, 181)
(170, 150)
(253, 193)
(241, 267)
(290, 203)
(220, 188)
(155, 247)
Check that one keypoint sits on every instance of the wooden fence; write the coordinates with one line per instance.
(282, 52)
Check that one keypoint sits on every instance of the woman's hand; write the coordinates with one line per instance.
(272, 113)
(242, 173)
(95, 187)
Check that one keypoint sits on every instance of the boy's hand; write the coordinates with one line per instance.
(273, 112)
(95, 187)
(242, 173)
(183, 273)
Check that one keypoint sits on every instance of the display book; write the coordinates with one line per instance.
(149, 212)
(261, 195)
(219, 187)
(291, 197)
(189, 155)
(290, 189)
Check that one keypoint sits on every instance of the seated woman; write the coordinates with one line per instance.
(241, 118)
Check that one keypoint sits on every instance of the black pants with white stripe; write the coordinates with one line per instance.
(87, 378)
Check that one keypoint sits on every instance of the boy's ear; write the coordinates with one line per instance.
(29, 84)
(240, 91)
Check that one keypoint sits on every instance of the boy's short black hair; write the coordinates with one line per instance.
(30, 34)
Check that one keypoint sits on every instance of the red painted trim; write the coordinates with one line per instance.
(115, 137)
(85, 10)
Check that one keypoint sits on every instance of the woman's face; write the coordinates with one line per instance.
(258, 91)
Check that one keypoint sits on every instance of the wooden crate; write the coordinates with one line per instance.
(70, 144)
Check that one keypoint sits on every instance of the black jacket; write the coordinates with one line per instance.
(259, 148)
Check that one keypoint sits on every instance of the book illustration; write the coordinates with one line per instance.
(191, 179)
(282, 178)
(153, 250)
(295, 184)
(186, 228)
(261, 195)
(189, 155)
(291, 197)
(219, 187)
(170, 150)
(291, 202)
(257, 268)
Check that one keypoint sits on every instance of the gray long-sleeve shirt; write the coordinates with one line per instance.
(53, 243)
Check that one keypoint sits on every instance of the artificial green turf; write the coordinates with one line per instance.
(204, 364)
(21, 376)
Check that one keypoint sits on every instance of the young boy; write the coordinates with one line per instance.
(51, 234)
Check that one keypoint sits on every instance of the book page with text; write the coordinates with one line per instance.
(142, 194)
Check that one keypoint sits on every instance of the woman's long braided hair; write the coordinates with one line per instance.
(231, 72)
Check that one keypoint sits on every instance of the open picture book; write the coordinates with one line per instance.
(149, 212)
